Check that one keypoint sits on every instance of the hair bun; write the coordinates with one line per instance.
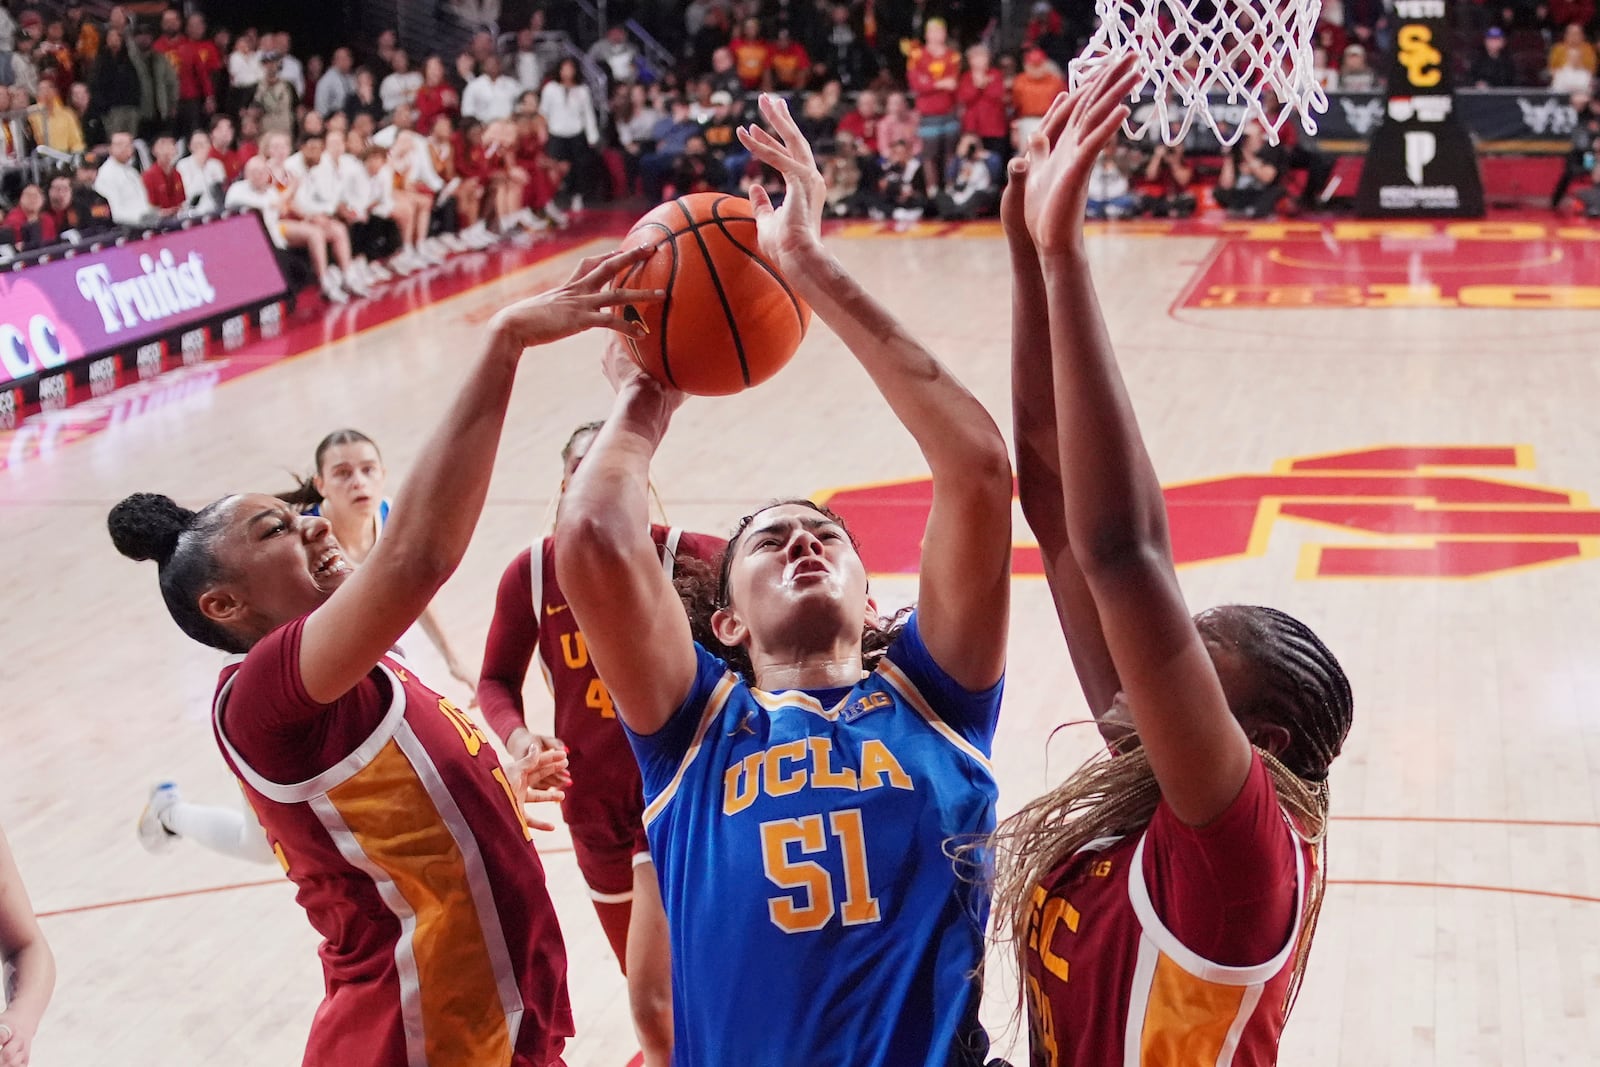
(148, 525)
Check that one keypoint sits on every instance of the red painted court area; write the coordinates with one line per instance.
(1505, 263)
(1403, 512)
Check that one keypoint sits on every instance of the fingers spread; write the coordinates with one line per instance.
(603, 268)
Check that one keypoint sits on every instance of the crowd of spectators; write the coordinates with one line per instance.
(371, 163)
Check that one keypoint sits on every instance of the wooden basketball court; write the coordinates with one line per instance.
(1387, 431)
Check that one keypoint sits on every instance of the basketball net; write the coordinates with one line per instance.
(1239, 50)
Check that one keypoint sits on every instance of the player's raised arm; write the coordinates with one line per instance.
(437, 508)
(1116, 519)
(1039, 490)
(964, 595)
(630, 614)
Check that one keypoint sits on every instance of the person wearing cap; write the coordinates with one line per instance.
(1033, 90)
(1355, 76)
(1492, 67)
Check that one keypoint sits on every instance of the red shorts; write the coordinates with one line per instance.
(607, 853)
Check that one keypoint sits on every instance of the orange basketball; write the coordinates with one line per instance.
(730, 319)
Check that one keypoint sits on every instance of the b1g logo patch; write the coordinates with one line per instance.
(865, 705)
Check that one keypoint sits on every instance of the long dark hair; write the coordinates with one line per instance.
(149, 526)
(704, 592)
(305, 496)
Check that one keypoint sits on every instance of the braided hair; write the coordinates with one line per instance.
(305, 496)
(149, 526)
(704, 592)
(1299, 686)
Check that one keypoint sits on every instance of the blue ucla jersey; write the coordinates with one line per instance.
(801, 840)
(382, 518)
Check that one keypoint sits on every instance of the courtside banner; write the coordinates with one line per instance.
(60, 313)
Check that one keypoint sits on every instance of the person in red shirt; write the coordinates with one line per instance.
(1180, 877)
(982, 96)
(862, 122)
(933, 74)
(31, 225)
(162, 181)
(195, 58)
(789, 62)
(437, 96)
(386, 805)
(752, 55)
(604, 805)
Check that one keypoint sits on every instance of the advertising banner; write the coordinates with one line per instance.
(117, 299)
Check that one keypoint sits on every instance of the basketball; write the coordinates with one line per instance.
(729, 320)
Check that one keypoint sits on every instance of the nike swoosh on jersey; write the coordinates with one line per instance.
(554, 609)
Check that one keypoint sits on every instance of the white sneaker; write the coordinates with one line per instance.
(401, 264)
(575, 205)
(437, 247)
(529, 221)
(331, 292)
(333, 277)
(453, 243)
(378, 273)
(153, 832)
(357, 287)
(479, 237)
(428, 256)
(556, 215)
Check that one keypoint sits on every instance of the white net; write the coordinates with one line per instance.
(1253, 59)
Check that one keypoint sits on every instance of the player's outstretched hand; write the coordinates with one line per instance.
(541, 777)
(1061, 155)
(794, 230)
(582, 302)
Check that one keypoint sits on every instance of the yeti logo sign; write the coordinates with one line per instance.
(1363, 116)
(1421, 147)
(1554, 116)
(1421, 161)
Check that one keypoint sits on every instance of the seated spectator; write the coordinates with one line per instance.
(969, 188)
(374, 235)
(898, 125)
(635, 123)
(365, 100)
(275, 98)
(788, 62)
(33, 225)
(404, 120)
(1492, 67)
(436, 96)
(54, 124)
(615, 54)
(672, 139)
(900, 186)
(1581, 156)
(24, 71)
(204, 176)
(473, 170)
(259, 192)
(1252, 180)
(1110, 196)
(491, 96)
(544, 173)
(725, 73)
(1165, 189)
(862, 121)
(844, 177)
(506, 182)
(122, 186)
(816, 123)
(115, 85)
(1355, 76)
(401, 84)
(76, 208)
(336, 85)
(313, 123)
(752, 55)
(1323, 70)
(1033, 90)
(162, 182)
(1572, 62)
(695, 171)
(574, 131)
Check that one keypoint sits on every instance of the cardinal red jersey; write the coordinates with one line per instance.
(391, 813)
(923, 71)
(1148, 951)
(532, 621)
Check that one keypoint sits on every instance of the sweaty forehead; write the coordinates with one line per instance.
(787, 517)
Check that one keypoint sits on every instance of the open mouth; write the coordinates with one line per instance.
(805, 568)
(330, 563)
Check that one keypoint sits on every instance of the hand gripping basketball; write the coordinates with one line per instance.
(795, 229)
(582, 302)
(1061, 155)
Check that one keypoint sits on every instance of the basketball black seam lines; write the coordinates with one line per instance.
(716, 282)
(716, 216)
(666, 302)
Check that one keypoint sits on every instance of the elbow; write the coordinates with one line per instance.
(592, 544)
